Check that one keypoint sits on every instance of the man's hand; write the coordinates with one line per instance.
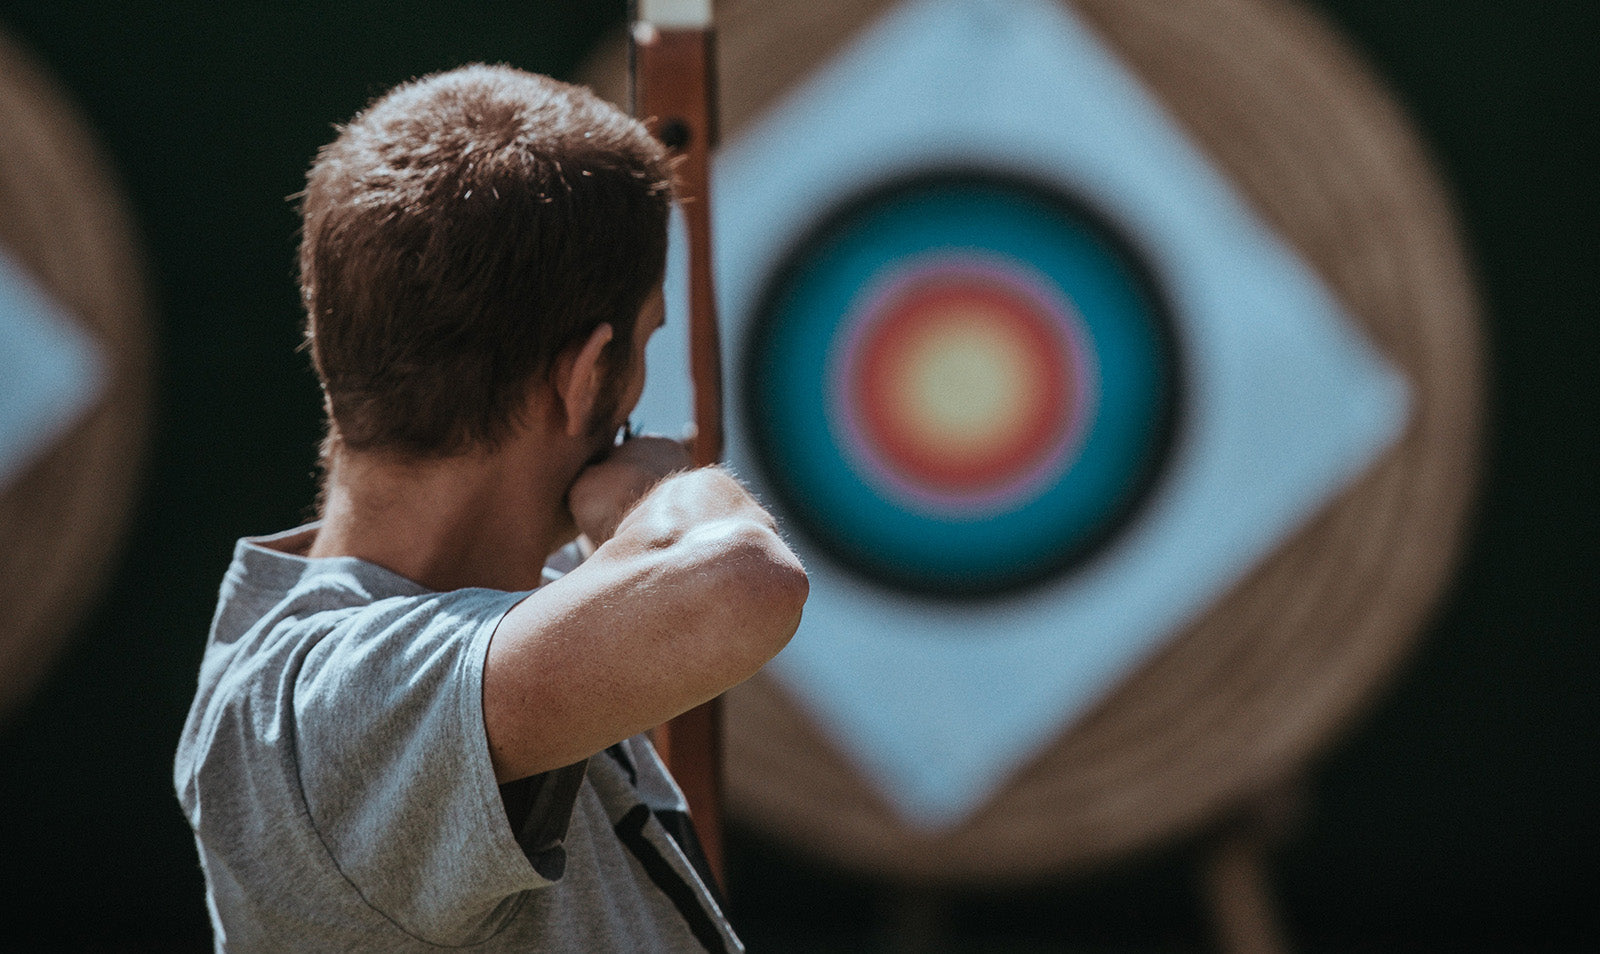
(605, 492)
(693, 591)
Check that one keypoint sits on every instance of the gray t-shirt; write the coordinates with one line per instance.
(336, 772)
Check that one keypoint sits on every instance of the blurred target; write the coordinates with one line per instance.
(959, 383)
(1295, 397)
(69, 260)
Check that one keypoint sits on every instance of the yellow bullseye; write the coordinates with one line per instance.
(963, 386)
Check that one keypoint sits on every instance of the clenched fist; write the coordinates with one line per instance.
(605, 491)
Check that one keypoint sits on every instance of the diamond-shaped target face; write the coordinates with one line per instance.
(959, 383)
(956, 386)
(49, 372)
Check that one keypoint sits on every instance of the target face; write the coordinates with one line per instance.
(954, 382)
(959, 383)
(50, 372)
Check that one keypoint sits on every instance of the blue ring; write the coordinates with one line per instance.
(808, 305)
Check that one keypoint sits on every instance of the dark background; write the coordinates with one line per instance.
(1462, 814)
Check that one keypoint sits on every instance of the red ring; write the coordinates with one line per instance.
(931, 308)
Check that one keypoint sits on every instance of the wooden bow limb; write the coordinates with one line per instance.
(674, 93)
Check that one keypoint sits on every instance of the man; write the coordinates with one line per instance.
(407, 735)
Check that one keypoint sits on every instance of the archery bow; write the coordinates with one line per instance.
(674, 93)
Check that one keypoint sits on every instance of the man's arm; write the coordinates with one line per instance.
(690, 595)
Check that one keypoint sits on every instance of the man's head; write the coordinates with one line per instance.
(461, 234)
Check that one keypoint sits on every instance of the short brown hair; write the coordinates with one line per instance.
(459, 234)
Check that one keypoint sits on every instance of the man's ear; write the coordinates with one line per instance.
(579, 378)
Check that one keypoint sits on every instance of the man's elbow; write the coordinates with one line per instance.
(763, 588)
(784, 585)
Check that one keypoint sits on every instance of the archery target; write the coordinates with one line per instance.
(959, 382)
(1272, 561)
(73, 332)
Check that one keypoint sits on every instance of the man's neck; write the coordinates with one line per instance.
(482, 519)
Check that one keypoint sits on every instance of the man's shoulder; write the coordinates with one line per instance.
(291, 630)
(271, 580)
(333, 654)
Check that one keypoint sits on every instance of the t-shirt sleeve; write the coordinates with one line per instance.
(394, 764)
